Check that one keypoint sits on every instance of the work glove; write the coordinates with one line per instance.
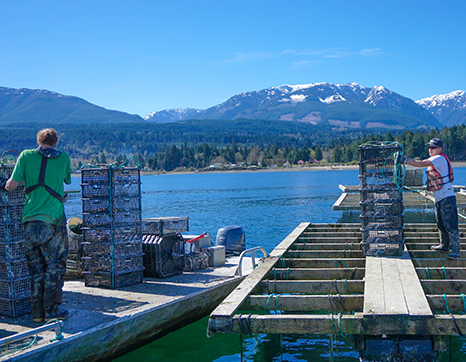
(3, 183)
(401, 159)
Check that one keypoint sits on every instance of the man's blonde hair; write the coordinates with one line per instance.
(47, 136)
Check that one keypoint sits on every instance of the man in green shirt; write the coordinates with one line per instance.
(43, 171)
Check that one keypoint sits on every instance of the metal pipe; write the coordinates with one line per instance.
(19, 336)
(239, 269)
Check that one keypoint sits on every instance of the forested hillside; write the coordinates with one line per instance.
(199, 144)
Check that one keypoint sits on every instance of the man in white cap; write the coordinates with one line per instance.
(440, 182)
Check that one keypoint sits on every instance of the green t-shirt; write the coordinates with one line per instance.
(40, 205)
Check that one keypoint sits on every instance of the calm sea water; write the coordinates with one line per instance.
(268, 205)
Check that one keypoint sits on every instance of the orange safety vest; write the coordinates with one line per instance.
(435, 181)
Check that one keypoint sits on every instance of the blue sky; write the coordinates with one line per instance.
(148, 55)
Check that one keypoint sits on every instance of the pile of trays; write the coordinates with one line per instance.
(15, 285)
(381, 200)
(164, 246)
(112, 227)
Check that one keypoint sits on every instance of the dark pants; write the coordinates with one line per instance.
(46, 252)
(446, 214)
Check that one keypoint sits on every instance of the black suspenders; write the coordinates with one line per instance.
(51, 191)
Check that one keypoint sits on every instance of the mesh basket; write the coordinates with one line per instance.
(11, 232)
(126, 189)
(113, 281)
(124, 204)
(378, 208)
(372, 153)
(125, 175)
(15, 289)
(115, 236)
(376, 235)
(15, 197)
(96, 206)
(128, 217)
(97, 250)
(105, 265)
(165, 225)
(96, 220)
(95, 191)
(380, 222)
(382, 249)
(95, 176)
(13, 270)
(377, 181)
(12, 251)
(15, 308)
(11, 213)
(380, 195)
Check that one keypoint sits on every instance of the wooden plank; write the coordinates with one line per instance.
(328, 240)
(441, 273)
(304, 303)
(440, 286)
(289, 240)
(323, 254)
(395, 302)
(340, 201)
(234, 300)
(310, 287)
(347, 324)
(436, 262)
(325, 263)
(326, 246)
(374, 301)
(315, 273)
(415, 298)
(447, 303)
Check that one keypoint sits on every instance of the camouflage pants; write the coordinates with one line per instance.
(46, 252)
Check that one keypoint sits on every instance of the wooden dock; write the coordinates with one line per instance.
(317, 281)
(105, 323)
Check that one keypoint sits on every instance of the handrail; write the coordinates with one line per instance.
(239, 269)
(19, 336)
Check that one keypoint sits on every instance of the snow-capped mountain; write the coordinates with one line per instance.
(342, 105)
(173, 115)
(449, 109)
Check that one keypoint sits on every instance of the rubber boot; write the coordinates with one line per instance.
(444, 242)
(455, 245)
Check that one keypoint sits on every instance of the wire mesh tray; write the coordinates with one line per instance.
(382, 236)
(12, 251)
(97, 250)
(115, 236)
(113, 281)
(11, 232)
(95, 175)
(112, 265)
(16, 307)
(382, 222)
(14, 269)
(382, 248)
(15, 289)
(126, 175)
(370, 195)
(11, 213)
(377, 152)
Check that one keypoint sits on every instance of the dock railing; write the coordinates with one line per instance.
(252, 251)
(57, 326)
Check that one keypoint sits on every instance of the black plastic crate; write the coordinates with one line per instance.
(126, 175)
(382, 249)
(164, 255)
(113, 281)
(112, 265)
(11, 213)
(12, 251)
(97, 250)
(15, 289)
(377, 152)
(14, 269)
(95, 176)
(116, 236)
(15, 197)
(16, 307)
(11, 232)
(387, 195)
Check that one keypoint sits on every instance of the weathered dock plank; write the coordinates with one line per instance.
(311, 287)
(392, 287)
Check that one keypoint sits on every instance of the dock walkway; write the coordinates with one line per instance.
(317, 281)
(105, 323)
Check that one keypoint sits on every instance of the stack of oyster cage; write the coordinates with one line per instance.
(381, 200)
(112, 227)
(15, 284)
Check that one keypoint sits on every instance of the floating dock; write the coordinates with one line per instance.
(317, 281)
(106, 323)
